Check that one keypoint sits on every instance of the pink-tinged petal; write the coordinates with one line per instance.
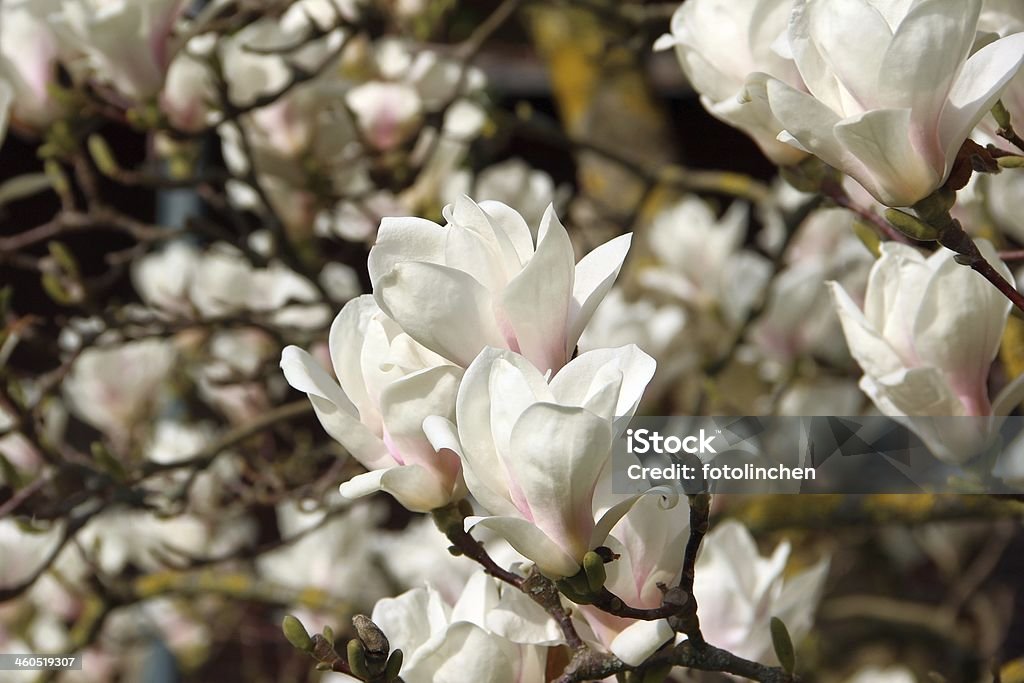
(536, 303)
(580, 382)
(595, 275)
(960, 321)
(442, 308)
(404, 239)
(346, 339)
(411, 485)
(981, 82)
(332, 407)
(919, 66)
(404, 405)
(893, 170)
(530, 542)
(560, 454)
(482, 465)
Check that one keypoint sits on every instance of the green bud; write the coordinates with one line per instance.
(868, 237)
(807, 176)
(357, 659)
(328, 633)
(394, 666)
(783, 645)
(911, 225)
(593, 567)
(58, 179)
(101, 155)
(54, 286)
(296, 634)
(1001, 114)
(1010, 162)
(62, 255)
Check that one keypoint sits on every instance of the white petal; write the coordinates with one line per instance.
(640, 640)
(560, 454)
(405, 239)
(531, 543)
(891, 168)
(442, 308)
(536, 302)
(595, 275)
(346, 342)
(575, 383)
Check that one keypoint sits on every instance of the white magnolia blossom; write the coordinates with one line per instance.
(701, 257)
(892, 107)
(482, 280)
(220, 281)
(728, 48)
(482, 638)
(533, 447)
(925, 339)
(113, 388)
(387, 385)
(188, 89)
(387, 113)
(24, 550)
(738, 591)
(648, 540)
(333, 554)
(126, 44)
(28, 62)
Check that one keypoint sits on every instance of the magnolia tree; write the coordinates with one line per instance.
(212, 208)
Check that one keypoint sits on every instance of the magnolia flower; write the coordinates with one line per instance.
(126, 43)
(482, 280)
(647, 540)
(891, 108)
(443, 644)
(925, 340)
(28, 62)
(388, 385)
(24, 551)
(114, 388)
(892, 674)
(387, 113)
(533, 447)
(188, 88)
(738, 591)
(700, 256)
(513, 182)
(728, 48)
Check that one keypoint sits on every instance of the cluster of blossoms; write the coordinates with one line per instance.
(155, 467)
(457, 376)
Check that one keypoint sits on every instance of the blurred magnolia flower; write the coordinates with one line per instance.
(1002, 18)
(533, 447)
(387, 113)
(892, 674)
(114, 388)
(311, 558)
(482, 281)
(927, 335)
(728, 48)
(738, 591)
(28, 62)
(24, 550)
(893, 107)
(188, 88)
(221, 281)
(387, 385)
(513, 182)
(443, 644)
(228, 375)
(121, 538)
(127, 44)
(700, 257)
(821, 396)
(16, 449)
